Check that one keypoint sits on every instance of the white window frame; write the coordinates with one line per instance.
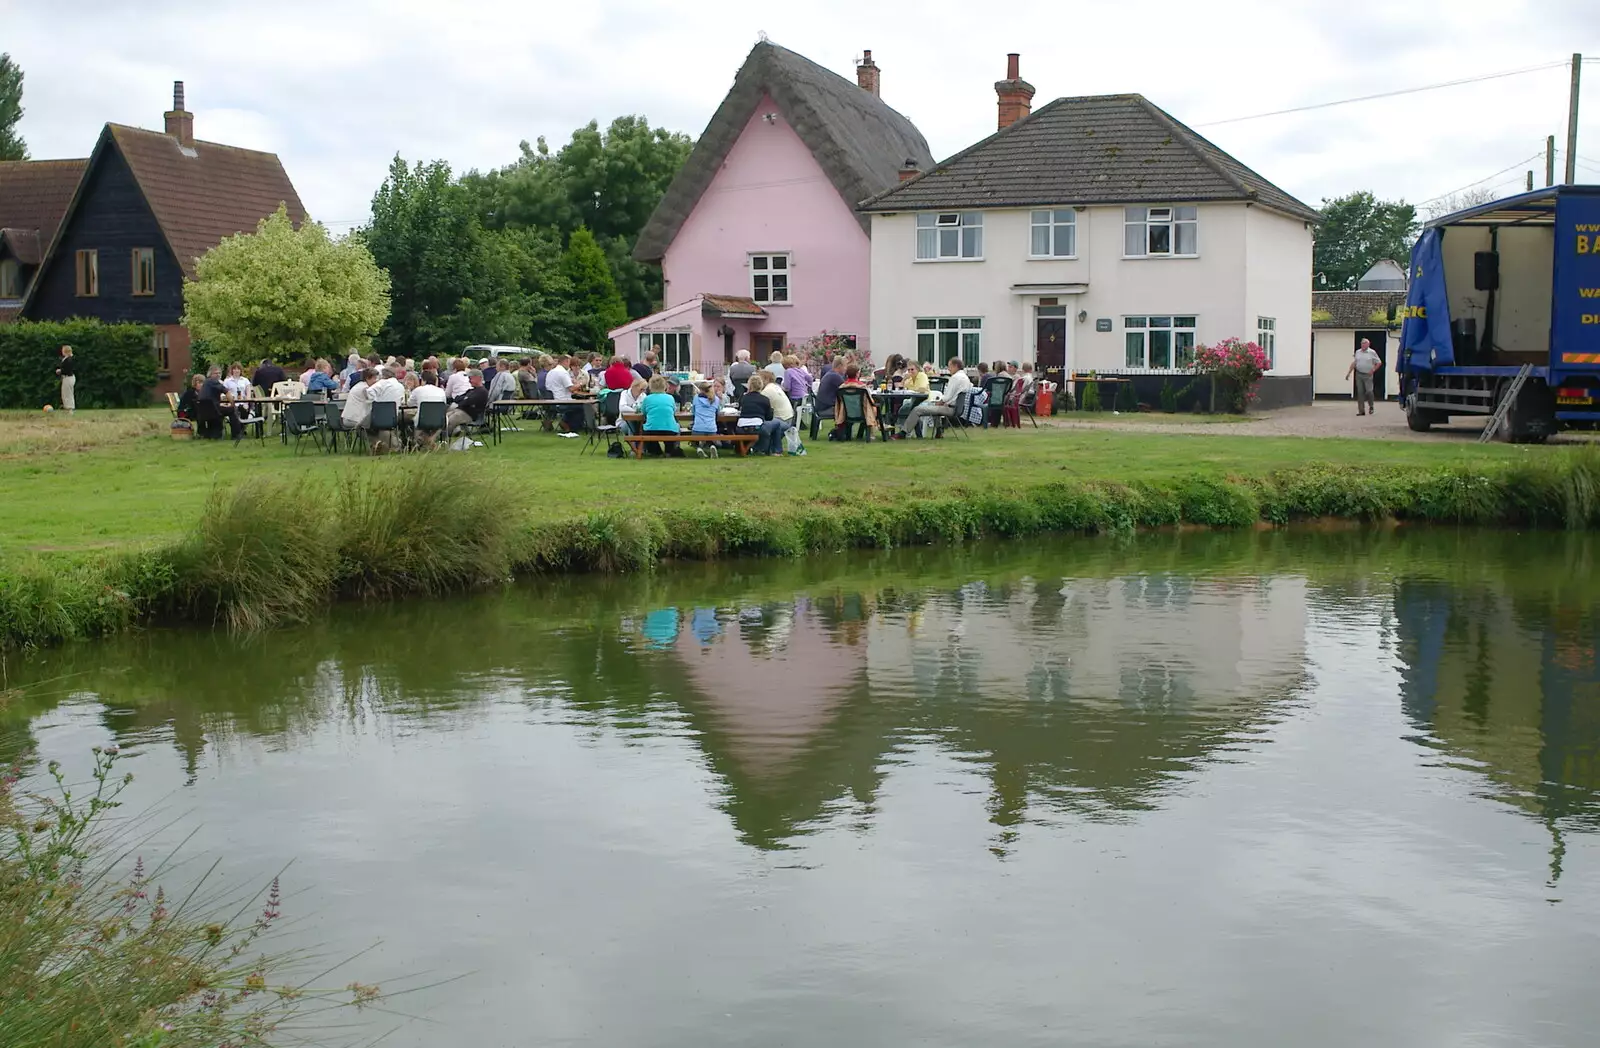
(1051, 223)
(949, 337)
(1267, 339)
(674, 349)
(767, 270)
(1151, 222)
(1179, 329)
(950, 236)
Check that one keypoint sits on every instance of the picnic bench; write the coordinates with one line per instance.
(742, 442)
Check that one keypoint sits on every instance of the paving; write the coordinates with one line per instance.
(1325, 418)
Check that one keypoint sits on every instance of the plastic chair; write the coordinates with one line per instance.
(333, 422)
(999, 390)
(957, 421)
(385, 418)
(300, 419)
(854, 401)
(430, 418)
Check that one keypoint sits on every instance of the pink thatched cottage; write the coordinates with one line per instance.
(758, 237)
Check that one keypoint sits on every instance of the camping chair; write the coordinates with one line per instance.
(956, 422)
(430, 419)
(483, 424)
(1022, 397)
(385, 418)
(333, 422)
(299, 419)
(172, 404)
(999, 390)
(854, 402)
(605, 427)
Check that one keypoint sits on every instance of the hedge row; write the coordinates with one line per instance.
(116, 364)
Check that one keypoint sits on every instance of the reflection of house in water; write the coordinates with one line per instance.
(1081, 695)
(1511, 685)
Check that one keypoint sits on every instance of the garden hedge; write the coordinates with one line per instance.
(116, 365)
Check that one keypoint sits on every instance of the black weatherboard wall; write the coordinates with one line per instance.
(112, 218)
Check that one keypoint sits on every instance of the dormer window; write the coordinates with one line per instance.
(950, 236)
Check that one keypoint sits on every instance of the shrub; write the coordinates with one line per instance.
(116, 365)
(1127, 397)
(1169, 397)
(1091, 397)
(1240, 364)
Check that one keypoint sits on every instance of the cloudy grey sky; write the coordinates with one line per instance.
(337, 87)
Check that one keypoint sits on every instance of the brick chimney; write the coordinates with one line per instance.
(180, 122)
(1015, 93)
(867, 74)
(909, 170)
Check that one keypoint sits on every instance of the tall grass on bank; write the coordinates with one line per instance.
(95, 954)
(275, 552)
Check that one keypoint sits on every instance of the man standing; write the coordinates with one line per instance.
(957, 384)
(1363, 366)
(67, 369)
(268, 375)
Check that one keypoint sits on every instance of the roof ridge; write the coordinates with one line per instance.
(1195, 144)
(199, 141)
(1212, 147)
(947, 161)
(51, 160)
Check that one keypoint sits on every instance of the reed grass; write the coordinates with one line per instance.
(275, 552)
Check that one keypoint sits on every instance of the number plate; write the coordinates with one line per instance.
(1575, 401)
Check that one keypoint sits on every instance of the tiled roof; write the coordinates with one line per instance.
(1350, 310)
(200, 199)
(731, 306)
(1097, 149)
(857, 140)
(34, 194)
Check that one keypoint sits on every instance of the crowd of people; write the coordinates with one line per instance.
(766, 402)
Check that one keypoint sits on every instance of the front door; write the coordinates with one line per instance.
(764, 344)
(1050, 350)
(1380, 345)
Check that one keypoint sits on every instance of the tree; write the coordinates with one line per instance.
(1460, 201)
(285, 291)
(1354, 232)
(596, 303)
(12, 147)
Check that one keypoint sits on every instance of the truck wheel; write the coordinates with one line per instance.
(1419, 419)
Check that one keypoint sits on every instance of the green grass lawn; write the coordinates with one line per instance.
(111, 479)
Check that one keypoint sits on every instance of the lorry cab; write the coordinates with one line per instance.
(1503, 308)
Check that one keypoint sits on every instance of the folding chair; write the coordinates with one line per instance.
(957, 421)
(430, 419)
(854, 400)
(999, 390)
(300, 419)
(385, 418)
(333, 422)
(605, 426)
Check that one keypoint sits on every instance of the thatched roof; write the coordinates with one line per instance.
(859, 142)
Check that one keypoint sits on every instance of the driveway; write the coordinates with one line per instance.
(1325, 418)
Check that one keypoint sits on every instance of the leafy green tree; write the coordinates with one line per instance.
(288, 292)
(596, 302)
(12, 147)
(1357, 230)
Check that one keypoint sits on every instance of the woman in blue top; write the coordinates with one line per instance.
(322, 380)
(708, 400)
(660, 416)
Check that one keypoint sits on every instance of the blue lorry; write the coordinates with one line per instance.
(1504, 306)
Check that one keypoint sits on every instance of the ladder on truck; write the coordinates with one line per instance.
(1502, 409)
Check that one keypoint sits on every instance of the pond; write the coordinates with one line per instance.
(1245, 790)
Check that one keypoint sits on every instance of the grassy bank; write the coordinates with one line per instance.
(254, 537)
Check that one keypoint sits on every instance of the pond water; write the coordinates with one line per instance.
(1261, 789)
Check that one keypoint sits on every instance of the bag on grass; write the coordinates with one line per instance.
(791, 442)
(461, 443)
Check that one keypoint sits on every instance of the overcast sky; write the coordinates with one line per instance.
(337, 87)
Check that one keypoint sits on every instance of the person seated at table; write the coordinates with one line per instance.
(755, 416)
(620, 374)
(358, 401)
(391, 389)
(527, 380)
(189, 399)
(827, 397)
(894, 372)
(782, 406)
(322, 380)
(796, 381)
(660, 410)
(559, 380)
(708, 400)
(210, 404)
(238, 389)
(916, 379)
(235, 383)
(469, 406)
(958, 384)
(853, 379)
(426, 391)
(458, 382)
(503, 386)
(646, 367)
(628, 403)
(775, 365)
(739, 371)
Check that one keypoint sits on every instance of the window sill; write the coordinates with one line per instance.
(770, 305)
(1052, 258)
(1156, 258)
(943, 261)
(144, 294)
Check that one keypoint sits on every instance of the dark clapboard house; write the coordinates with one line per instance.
(142, 209)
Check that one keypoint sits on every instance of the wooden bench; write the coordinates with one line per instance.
(742, 442)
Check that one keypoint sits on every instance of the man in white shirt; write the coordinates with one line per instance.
(358, 402)
(1363, 366)
(390, 389)
(458, 382)
(559, 380)
(957, 384)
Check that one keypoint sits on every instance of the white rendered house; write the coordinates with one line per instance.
(1097, 234)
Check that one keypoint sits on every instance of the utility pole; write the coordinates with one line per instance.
(1550, 160)
(1572, 122)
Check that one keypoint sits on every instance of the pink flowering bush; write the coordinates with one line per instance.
(818, 350)
(1238, 363)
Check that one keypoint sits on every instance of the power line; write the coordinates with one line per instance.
(1390, 94)
(1512, 167)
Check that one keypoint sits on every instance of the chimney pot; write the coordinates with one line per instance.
(1014, 93)
(867, 75)
(180, 122)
